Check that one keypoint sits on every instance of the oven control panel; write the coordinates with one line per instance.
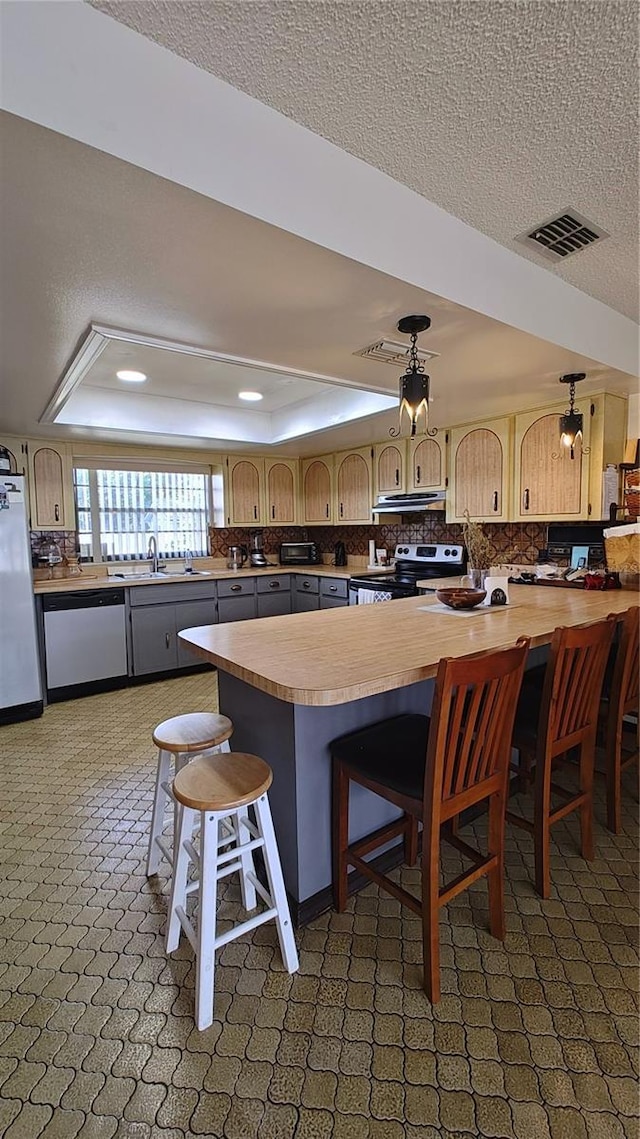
(417, 552)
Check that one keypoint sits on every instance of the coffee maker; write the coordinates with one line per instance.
(257, 555)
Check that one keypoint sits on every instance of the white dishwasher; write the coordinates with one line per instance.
(85, 642)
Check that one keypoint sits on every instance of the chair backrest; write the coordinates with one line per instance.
(625, 682)
(472, 719)
(573, 684)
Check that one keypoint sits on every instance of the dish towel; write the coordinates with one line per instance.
(368, 596)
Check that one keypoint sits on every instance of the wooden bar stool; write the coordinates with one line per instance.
(553, 720)
(621, 701)
(178, 740)
(433, 769)
(215, 787)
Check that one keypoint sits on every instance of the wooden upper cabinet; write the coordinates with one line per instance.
(281, 492)
(317, 479)
(18, 451)
(427, 464)
(353, 487)
(244, 491)
(50, 487)
(549, 483)
(480, 472)
(390, 468)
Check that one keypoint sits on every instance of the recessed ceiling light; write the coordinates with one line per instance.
(131, 377)
(252, 397)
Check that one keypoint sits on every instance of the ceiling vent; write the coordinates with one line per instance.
(393, 352)
(563, 235)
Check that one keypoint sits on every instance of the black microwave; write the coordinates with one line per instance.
(299, 554)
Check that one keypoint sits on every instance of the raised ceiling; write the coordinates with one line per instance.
(502, 113)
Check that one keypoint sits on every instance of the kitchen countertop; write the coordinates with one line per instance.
(334, 656)
(101, 581)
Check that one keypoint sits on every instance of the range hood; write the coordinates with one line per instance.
(409, 503)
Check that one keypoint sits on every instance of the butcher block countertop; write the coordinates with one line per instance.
(334, 656)
(92, 579)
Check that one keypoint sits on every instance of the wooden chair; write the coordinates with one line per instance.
(433, 769)
(621, 700)
(553, 720)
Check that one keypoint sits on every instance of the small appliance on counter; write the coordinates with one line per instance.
(236, 557)
(300, 554)
(339, 554)
(257, 556)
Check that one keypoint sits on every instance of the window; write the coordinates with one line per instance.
(120, 510)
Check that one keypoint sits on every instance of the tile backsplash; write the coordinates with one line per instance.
(517, 541)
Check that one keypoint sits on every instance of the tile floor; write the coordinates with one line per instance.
(532, 1039)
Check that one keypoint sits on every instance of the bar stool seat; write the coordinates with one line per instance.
(216, 787)
(178, 740)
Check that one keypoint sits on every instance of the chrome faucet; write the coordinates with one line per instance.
(152, 554)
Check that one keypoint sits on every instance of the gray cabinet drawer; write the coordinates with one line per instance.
(274, 604)
(279, 583)
(237, 588)
(237, 608)
(334, 587)
(305, 584)
(176, 591)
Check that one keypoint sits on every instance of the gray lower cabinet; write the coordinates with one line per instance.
(334, 592)
(274, 595)
(237, 599)
(153, 637)
(189, 614)
(306, 593)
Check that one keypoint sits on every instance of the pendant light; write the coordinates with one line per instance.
(414, 385)
(571, 423)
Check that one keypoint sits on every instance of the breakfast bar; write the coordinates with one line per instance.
(292, 684)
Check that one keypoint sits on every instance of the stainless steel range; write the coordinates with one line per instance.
(413, 563)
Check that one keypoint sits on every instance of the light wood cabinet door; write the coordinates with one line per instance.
(18, 451)
(353, 487)
(549, 484)
(51, 487)
(317, 490)
(244, 491)
(427, 471)
(390, 468)
(480, 472)
(281, 492)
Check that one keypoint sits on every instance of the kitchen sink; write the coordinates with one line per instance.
(162, 575)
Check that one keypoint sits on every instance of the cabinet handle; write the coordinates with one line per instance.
(418, 476)
(236, 588)
(274, 585)
(495, 501)
(397, 476)
(255, 512)
(167, 639)
(327, 510)
(56, 512)
(333, 589)
(526, 498)
(341, 510)
(273, 511)
(306, 584)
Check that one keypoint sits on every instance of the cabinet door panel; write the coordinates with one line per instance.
(317, 492)
(189, 614)
(332, 602)
(427, 466)
(48, 489)
(354, 490)
(244, 480)
(154, 639)
(480, 470)
(281, 503)
(237, 608)
(274, 604)
(17, 455)
(389, 469)
(550, 481)
(305, 602)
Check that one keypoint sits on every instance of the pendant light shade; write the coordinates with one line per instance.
(414, 385)
(572, 423)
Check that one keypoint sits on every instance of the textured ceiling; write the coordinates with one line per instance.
(503, 113)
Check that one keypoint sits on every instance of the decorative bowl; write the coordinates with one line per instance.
(457, 597)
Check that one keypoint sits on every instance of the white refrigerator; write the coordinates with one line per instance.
(20, 685)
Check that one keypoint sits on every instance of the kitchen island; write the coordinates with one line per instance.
(292, 684)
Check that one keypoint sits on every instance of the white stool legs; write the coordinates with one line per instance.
(159, 844)
(213, 863)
